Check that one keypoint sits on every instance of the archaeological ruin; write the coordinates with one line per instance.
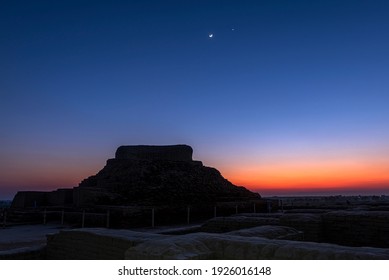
(156, 202)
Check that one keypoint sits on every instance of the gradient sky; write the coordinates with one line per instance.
(287, 97)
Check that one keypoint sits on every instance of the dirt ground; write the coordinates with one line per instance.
(25, 235)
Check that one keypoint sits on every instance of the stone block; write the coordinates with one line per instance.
(144, 152)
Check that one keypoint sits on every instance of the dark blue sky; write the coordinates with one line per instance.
(296, 83)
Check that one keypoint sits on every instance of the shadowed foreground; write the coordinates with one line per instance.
(125, 244)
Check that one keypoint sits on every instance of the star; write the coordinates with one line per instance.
(210, 35)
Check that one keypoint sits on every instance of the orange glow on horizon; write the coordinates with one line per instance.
(45, 175)
(311, 175)
(274, 175)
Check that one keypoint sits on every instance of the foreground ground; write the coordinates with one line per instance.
(308, 228)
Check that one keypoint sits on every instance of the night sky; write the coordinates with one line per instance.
(287, 97)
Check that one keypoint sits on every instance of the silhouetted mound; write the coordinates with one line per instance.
(158, 175)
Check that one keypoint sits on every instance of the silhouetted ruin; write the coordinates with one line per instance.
(157, 175)
(143, 177)
(208, 217)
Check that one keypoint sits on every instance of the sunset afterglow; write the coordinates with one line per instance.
(283, 99)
